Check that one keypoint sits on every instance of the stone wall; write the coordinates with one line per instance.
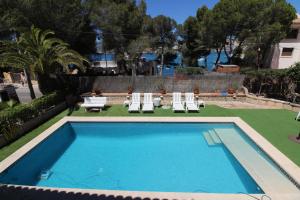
(119, 98)
(250, 98)
(119, 84)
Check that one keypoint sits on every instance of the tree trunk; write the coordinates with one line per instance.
(162, 61)
(219, 55)
(228, 54)
(228, 57)
(32, 94)
(133, 72)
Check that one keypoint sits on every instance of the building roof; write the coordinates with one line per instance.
(297, 20)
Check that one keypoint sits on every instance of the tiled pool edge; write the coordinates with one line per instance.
(290, 169)
(288, 166)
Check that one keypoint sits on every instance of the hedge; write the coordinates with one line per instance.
(275, 83)
(11, 119)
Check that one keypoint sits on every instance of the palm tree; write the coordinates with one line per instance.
(38, 52)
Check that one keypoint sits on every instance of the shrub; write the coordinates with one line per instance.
(12, 118)
(8, 104)
(279, 83)
(3, 105)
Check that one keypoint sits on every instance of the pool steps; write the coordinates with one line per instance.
(215, 136)
(208, 139)
(45, 174)
(212, 138)
(270, 179)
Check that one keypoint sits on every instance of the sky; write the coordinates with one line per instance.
(182, 9)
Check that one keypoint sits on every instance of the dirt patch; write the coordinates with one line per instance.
(294, 138)
(240, 105)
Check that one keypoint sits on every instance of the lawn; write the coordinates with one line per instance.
(274, 125)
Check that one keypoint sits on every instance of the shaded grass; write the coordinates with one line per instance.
(274, 125)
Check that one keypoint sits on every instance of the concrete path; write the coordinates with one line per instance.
(24, 94)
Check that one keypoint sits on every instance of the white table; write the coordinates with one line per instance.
(201, 103)
(126, 103)
(156, 102)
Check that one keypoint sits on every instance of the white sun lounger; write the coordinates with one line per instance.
(177, 103)
(135, 104)
(190, 103)
(298, 116)
(148, 105)
(94, 102)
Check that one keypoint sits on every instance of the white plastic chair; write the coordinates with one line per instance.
(190, 103)
(298, 116)
(177, 103)
(135, 103)
(148, 105)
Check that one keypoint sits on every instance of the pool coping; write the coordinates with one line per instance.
(290, 168)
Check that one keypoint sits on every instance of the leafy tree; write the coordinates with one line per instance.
(258, 23)
(38, 52)
(162, 31)
(197, 37)
(67, 18)
(135, 50)
(273, 22)
(238, 25)
(120, 21)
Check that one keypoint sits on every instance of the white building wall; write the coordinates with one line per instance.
(288, 61)
(281, 62)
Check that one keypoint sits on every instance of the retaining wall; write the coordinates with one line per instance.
(272, 102)
(205, 83)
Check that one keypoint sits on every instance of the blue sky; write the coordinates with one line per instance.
(181, 9)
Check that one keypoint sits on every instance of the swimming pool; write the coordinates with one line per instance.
(189, 157)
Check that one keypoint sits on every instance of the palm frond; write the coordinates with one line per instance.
(38, 51)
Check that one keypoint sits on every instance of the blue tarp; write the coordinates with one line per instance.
(152, 57)
(211, 59)
(149, 56)
(168, 71)
(178, 60)
(102, 57)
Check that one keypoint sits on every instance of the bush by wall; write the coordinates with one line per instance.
(12, 119)
(280, 83)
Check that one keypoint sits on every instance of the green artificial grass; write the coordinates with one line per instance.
(274, 125)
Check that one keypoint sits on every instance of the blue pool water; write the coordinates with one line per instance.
(168, 157)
